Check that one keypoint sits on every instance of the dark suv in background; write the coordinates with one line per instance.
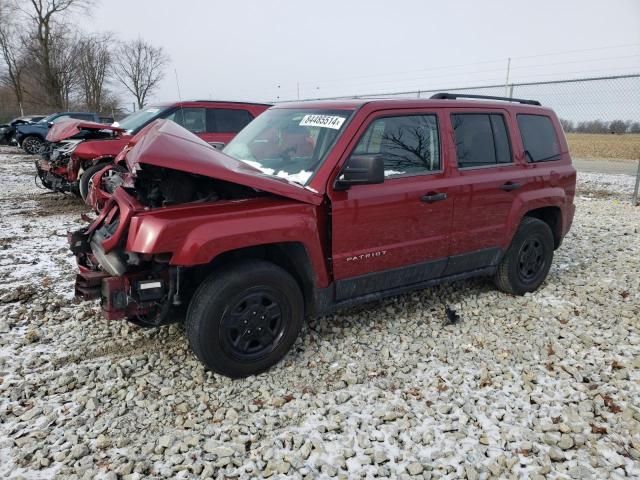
(31, 137)
(8, 130)
(78, 150)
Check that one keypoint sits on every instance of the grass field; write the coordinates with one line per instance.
(602, 145)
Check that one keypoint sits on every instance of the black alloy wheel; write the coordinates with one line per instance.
(254, 325)
(531, 258)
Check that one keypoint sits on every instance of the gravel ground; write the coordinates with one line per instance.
(541, 386)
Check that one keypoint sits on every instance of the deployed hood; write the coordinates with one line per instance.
(165, 144)
(70, 128)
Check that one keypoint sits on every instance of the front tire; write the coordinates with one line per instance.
(526, 263)
(243, 319)
(85, 178)
(32, 144)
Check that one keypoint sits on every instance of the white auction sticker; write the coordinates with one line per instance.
(325, 121)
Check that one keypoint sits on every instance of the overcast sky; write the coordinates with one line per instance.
(261, 50)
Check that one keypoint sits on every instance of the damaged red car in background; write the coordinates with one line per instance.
(77, 150)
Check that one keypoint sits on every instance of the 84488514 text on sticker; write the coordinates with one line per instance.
(326, 121)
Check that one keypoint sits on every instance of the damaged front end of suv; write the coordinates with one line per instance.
(151, 244)
(61, 162)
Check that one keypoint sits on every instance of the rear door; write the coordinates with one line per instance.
(193, 119)
(397, 233)
(224, 123)
(488, 180)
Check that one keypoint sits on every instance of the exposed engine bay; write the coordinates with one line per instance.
(157, 187)
(51, 168)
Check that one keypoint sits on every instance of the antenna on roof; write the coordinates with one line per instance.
(175, 70)
(181, 107)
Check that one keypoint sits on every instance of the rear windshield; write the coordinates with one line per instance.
(539, 138)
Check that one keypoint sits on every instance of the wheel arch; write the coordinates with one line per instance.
(545, 204)
(290, 256)
(552, 216)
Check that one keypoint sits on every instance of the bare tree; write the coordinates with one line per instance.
(94, 64)
(618, 126)
(12, 53)
(45, 16)
(139, 66)
(64, 63)
(567, 125)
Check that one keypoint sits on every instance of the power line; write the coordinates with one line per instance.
(502, 60)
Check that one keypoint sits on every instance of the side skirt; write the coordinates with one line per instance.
(325, 304)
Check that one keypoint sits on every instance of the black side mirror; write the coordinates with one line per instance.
(361, 170)
(49, 124)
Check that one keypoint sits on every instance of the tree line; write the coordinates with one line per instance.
(47, 64)
(601, 126)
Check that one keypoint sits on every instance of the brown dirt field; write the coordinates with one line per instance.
(603, 145)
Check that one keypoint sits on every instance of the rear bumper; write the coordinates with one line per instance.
(570, 211)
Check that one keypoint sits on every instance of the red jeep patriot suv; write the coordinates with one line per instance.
(319, 205)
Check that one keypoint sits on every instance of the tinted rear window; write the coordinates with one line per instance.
(227, 120)
(481, 139)
(539, 138)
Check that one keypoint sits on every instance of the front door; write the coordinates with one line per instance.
(393, 234)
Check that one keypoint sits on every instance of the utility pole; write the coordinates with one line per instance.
(298, 87)
(506, 83)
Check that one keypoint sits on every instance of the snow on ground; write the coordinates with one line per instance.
(541, 386)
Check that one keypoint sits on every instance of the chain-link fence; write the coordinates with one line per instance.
(577, 100)
(601, 116)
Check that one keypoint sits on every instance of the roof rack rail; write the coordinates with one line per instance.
(453, 96)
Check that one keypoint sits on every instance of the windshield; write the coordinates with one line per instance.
(139, 119)
(48, 119)
(288, 143)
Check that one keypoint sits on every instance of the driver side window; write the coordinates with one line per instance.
(409, 144)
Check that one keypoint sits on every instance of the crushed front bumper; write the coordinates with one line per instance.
(141, 293)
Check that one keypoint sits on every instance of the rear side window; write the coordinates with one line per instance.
(409, 145)
(193, 119)
(227, 120)
(539, 138)
(481, 139)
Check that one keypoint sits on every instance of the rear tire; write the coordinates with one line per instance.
(32, 144)
(526, 263)
(244, 318)
(85, 178)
